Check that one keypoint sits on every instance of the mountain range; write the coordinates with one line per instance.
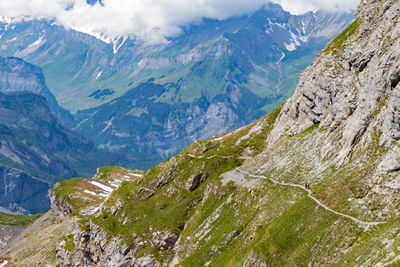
(36, 149)
(152, 100)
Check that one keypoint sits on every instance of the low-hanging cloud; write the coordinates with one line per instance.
(302, 6)
(148, 20)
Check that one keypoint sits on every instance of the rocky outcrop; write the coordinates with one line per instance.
(95, 248)
(195, 180)
(7, 235)
(353, 85)
(59, 205)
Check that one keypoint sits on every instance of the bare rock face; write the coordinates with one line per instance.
(16, 75)
(194, 181)
(94, 248)
(22, 193)
(169, 241)
(353, 86)
(59, 205)
(254, 261)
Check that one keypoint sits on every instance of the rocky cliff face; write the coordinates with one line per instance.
(353, 85)
(92, 250)
(17, 75)
(36, 152)
(314, 183)
(351, 92)
(22, 193)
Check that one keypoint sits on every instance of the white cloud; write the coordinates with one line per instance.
(150, 20)
(302, 6)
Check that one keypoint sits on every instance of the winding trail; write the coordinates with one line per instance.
(367, 224)
(319, 203)
(202, 157)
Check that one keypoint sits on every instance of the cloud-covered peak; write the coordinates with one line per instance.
(148, 20)
(302, 6)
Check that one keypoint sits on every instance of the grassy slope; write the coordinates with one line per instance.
(15, 220)
(223, 225)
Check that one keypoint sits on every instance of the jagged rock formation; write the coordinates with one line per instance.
(314, 183)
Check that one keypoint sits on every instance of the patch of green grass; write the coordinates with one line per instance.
(70, 244)
(84, 224)
(373, 246)
(109, 172)
(310, 129)
(15, 220)
(66, 189)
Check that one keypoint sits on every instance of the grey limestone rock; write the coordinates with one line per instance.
(351, 86)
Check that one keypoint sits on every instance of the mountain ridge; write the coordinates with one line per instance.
(16, 75)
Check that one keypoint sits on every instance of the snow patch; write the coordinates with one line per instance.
(136, 175)
(12, 40)
(102, 186)
(282, 57)
(32, 47)
(117, 44)
(108, 125)
(104, 195)
(296, 41)
(4, 263)
(290, 47)
(89, 192)
(98, 75)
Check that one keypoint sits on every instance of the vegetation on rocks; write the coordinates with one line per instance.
(15, 220)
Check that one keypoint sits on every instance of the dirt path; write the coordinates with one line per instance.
(319, 203)
(203, 157)
(366, 224)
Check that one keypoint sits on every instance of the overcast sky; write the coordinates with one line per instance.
(150, 20)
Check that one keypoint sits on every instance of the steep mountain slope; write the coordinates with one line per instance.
(36, 152)
(314, 183)
(217, 76)
(17, 75)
